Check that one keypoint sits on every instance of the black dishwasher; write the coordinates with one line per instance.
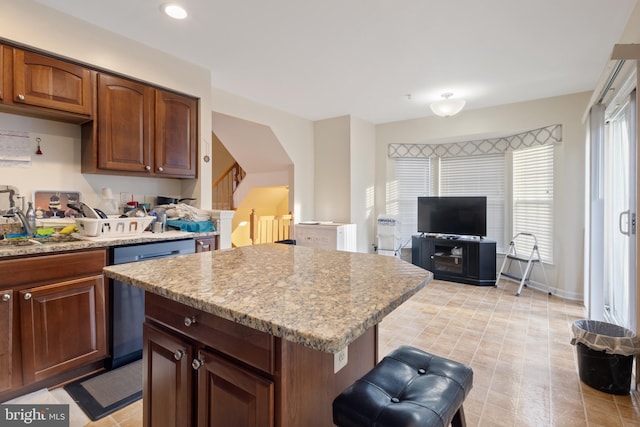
(126, 307)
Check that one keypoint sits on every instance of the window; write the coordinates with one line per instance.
(413, 181)
(484, 175)
(533, 196)
(478, 176)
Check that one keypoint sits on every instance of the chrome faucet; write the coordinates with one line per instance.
(25, 224)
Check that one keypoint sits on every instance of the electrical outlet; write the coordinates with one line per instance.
(340, 359)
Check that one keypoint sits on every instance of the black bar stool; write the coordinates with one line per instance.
(408, 388)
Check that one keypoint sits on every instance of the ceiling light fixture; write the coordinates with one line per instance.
(175, 11)
(447, 107)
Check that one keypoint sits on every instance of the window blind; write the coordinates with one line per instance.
(533, 196)
(478, 176)
(412, 180)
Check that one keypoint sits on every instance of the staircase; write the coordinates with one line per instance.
(224, 187)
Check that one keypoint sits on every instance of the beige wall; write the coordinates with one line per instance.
(294, 133)
(363, 179)
(569, 170)
(332, 158)
(28, 23)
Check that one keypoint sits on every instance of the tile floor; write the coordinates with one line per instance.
(525, 371)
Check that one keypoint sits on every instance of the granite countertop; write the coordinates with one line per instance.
(86, 242)
(323, 299)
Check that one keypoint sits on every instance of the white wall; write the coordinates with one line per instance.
(29, 23)
(507, 120)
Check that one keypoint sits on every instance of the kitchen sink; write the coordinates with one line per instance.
(25, 241)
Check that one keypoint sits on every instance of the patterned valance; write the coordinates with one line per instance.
(546, 135)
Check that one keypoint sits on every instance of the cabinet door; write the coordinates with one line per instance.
(176, 135)
(2, 72)
(167, 379)
(52, 83)
(229, 395)
(125, 111)
(62, 326)
(8, 375)
(205, 244)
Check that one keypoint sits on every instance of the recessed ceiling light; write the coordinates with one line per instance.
(175, 11)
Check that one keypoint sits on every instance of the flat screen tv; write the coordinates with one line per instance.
(459, 216)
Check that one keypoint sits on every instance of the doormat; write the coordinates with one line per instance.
(106, 392)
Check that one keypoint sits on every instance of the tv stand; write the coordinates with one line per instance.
(460, 259)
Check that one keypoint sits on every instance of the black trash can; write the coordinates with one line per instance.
(605, 355)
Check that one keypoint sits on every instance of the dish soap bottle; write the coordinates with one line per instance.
(31, 220)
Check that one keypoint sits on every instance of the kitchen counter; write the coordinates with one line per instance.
(86, 242)
(321, 299)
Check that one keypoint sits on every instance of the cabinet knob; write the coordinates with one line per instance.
(6, 297)
(147, 168)
(27, 296)
(20, 97)
(188, 321)
(160, 169)
(179, 354)
(196, 364)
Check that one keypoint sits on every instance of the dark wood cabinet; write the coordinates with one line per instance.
(3, 72)
(206, 244)
(47, 82)
(140, 130)
(10, 376)
(124, 125)
(463, 260)
(168, 378)
(229, 395)
(176, 131)
(239, 376)
(52, 318)
(62, 327)
(186, 384)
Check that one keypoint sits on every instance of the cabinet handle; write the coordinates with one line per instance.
(6, 297)
(160, 169)
(20, 97)
(27, 296)
(188, 321)
(196, 364)
(203, 246)
(147, 168)
(179, 354)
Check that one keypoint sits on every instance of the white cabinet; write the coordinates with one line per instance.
(327, 236)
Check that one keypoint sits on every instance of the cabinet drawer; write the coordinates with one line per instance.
(51, 268)
(248, 345)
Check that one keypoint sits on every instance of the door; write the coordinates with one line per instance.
(619, 212)
(47, 315)
(125, 111)
(176, 135)
(229, 395)
(7, 373)
(51, 83)
(167, 379)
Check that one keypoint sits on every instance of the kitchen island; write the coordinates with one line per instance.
(261, 335)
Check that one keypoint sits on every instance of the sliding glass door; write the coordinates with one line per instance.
(619, 178)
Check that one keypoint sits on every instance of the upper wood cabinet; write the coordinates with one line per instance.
(43, 81)
(176, 134)
(124, 114)
(2, 72)
(140, 130)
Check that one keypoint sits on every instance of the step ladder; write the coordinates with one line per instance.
(517, 251)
